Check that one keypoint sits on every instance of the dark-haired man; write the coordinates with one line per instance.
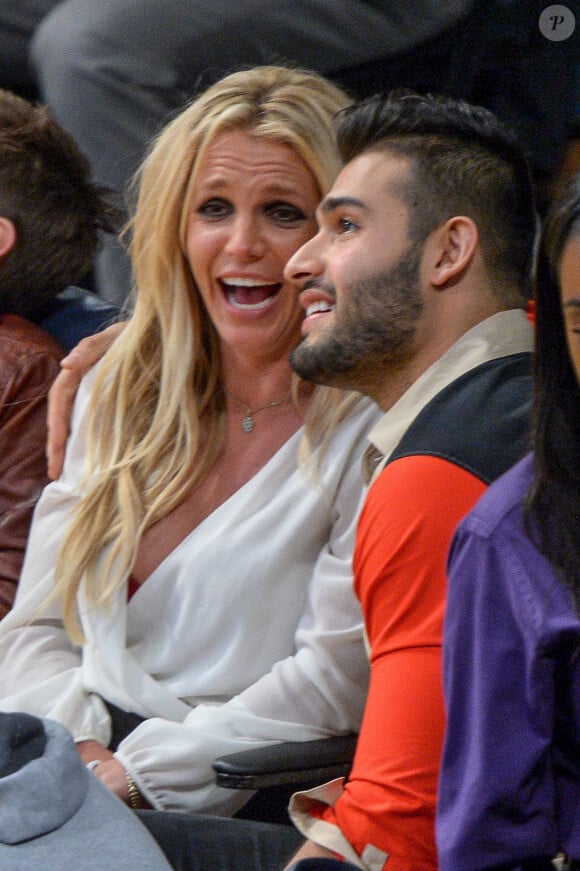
(415, 291)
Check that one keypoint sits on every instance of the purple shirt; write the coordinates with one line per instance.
(510, 779)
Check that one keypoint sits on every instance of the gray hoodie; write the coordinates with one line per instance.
(55, 814)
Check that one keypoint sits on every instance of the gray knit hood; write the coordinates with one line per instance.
(46, 791)
(54, 813)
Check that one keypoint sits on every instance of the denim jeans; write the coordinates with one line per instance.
(205, 843)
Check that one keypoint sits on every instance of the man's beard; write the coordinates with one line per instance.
(374, 330)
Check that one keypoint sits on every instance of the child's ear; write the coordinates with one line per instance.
(7, 236)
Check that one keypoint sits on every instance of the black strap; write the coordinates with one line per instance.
(122, 724)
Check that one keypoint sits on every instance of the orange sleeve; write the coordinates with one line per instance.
(403, 538)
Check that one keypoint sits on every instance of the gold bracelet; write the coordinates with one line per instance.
(134, 794)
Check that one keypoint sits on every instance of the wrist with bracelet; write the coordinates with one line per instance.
(135, 800)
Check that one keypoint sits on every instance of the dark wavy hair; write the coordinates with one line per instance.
(464, 161)
(57, 211)
(553, 508)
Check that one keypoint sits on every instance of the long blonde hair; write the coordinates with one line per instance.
(158, 384)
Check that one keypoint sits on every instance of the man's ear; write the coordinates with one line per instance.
(455, 244)
(7, 236)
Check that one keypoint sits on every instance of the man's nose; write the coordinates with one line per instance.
(305, 263)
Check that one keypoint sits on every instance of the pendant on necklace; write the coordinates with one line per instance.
(248, 422)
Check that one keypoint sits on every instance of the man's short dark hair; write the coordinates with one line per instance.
(464, 161)
(47, 193)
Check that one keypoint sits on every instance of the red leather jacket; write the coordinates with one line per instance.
(29, 363)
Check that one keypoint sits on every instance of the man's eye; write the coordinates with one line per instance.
(345, 225)
(214, 209)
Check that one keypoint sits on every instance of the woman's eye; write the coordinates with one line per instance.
(572, 320)
(284, 213)
(214, 209)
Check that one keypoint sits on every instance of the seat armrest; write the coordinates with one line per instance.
(292, 762)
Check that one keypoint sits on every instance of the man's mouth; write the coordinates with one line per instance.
(249, 294)
(317, 300)
(318, 307)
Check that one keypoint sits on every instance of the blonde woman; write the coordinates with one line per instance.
(187, 586)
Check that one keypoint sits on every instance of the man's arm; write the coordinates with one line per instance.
(503, 669)
(386, 811)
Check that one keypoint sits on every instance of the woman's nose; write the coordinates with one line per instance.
(245, 239)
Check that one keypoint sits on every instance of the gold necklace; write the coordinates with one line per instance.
(248, 422)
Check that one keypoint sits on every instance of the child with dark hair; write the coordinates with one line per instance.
(510, 781)
(50, 217)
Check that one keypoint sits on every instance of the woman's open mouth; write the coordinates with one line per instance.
(249, 294)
